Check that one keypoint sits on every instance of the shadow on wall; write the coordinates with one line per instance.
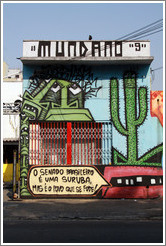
(8, 172)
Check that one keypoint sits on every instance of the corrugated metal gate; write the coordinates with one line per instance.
(73, 143)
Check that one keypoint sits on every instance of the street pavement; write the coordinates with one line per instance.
(81, 209)
(82, 220)
(83, 231)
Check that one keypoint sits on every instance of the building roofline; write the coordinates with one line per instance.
(90, 60)
(31, 40)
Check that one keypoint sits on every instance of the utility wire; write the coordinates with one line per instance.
(153, 72)
(148, 34)
(157, 68)
(140, 29)
(153, 28)
(148, 30)
(144, 33)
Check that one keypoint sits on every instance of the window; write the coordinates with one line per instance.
(131, 181)
(33, 48)
(77, 143)
(8, 153)
(127, 181)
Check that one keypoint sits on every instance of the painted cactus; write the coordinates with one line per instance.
(132, 120)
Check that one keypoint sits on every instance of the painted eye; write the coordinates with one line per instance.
(55, 88)
(47, 80)
(75, 89)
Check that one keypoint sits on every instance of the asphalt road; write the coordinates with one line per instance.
(82, 220)
(76, 231)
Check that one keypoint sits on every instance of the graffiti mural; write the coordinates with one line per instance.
(77, 181)
(152, 157)
(156, 105)
(57, 100)
(53, 99)
(66, 147)
(133, 182)
(80, 76)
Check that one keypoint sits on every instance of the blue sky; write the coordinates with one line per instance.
(75, 21)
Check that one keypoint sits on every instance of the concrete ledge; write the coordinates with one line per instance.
(87, 60)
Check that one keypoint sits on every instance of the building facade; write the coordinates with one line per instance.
(86, 125)
(12, 92)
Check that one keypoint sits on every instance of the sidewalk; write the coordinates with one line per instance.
(81, 209)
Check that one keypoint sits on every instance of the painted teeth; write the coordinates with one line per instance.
(30, 108)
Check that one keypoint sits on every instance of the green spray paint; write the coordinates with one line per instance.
(39, 105)
(132, 121)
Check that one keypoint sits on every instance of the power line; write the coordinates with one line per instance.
(139, 29)
(148, 34)
(153, 73)
(154, 28)
(149, 30)
(144, 33)
(157, 68)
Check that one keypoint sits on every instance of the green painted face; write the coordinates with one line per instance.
(64, 94)
(57, 100)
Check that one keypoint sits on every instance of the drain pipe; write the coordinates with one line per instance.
(14, 174)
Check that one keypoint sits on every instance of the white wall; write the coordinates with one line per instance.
(129, 49)
(11, 91)
(11, 127)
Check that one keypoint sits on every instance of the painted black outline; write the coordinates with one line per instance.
(62, 53)
(44, 44)
(145, 165)
(96, 48)
(118, 43)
